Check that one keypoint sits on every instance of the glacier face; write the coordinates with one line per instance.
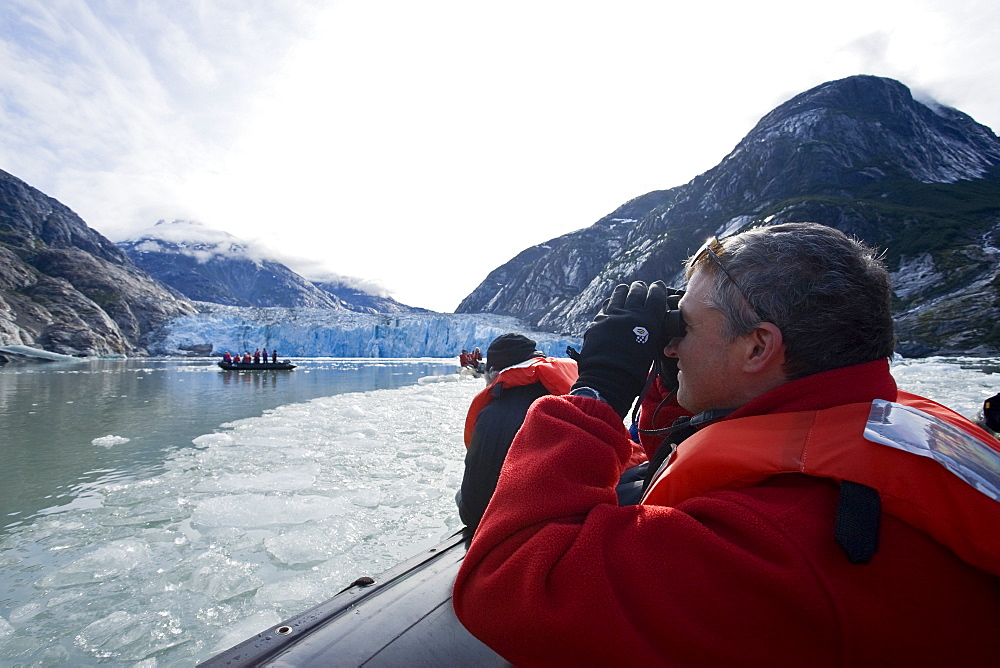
(303, 332)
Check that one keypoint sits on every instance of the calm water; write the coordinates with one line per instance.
(52, 414)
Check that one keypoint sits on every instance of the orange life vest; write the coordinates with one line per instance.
(556, 374)
(933, 469)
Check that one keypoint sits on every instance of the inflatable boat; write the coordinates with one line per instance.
(257, 366)
(402, 617)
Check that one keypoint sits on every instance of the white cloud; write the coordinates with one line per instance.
(186, 231)
(367, 285)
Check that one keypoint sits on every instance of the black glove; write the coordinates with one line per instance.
(620, 344)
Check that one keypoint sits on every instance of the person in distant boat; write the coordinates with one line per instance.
(794, 521)
(274, 355)
(464, 359)
(263, 355)
(227, 358)
(476, 358)
(246, 357)
(256, 356)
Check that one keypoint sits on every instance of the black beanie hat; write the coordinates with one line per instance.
(507, 350)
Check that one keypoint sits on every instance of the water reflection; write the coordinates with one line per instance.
(255, 378)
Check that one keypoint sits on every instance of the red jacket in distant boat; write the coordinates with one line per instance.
(731, 558)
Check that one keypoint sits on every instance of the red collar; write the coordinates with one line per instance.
(846, 385)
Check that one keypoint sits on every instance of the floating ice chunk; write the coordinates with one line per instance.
(288, 480)
(110, 441)
(24, 613)
(104, 636)
(291, 592)
(367, 498)
(277, 432)
(60, 602)
(129, 519)
(206, 440)
(57, 655)
(221, 578)
(401, 499)
(302, 547)
(431, 463)
(258, 510)
(105, 563)
(449, 378)
(130, 637)
(353, 411)
(151, 491)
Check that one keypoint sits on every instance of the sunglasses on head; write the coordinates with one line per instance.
(714, 249)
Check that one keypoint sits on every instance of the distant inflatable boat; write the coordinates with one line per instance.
(257, 366)
(469, 371)
(402, 617)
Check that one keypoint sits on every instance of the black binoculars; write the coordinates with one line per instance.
(673, 323)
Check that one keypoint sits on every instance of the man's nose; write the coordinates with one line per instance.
(670, 350)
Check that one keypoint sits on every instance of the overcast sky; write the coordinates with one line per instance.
(424, 143)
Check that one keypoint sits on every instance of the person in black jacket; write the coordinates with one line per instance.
(516, 375)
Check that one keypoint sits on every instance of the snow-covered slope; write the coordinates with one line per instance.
(210, 265)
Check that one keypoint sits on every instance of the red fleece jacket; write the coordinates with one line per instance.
(559, 574)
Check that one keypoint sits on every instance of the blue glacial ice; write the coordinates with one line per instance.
(299, 332)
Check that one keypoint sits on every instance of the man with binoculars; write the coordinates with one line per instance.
(799, 510)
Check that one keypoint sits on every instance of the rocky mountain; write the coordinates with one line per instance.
(917, 179)
(214, 266)
(67, 289)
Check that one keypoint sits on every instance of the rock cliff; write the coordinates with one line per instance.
(67, 289)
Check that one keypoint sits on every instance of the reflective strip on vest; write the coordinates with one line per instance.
(916, 432)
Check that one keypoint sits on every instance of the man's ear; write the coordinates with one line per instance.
(765, 349)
